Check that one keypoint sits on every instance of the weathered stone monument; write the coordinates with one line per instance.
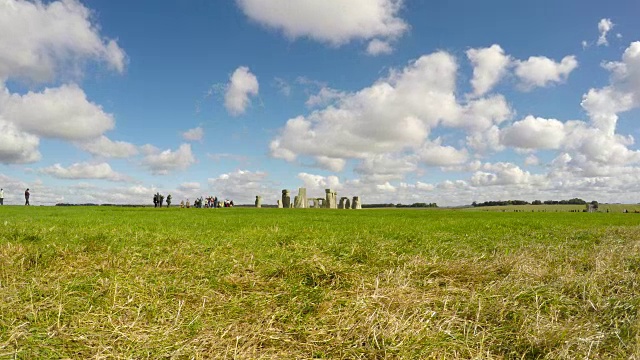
(258, 201)
(343, 203)
(316, 203)
(301, 199)
(355, 204)
(331, 199)
(286, 199)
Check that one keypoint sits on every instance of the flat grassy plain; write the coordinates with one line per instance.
(102, 282)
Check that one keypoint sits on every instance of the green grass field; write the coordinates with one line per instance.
(298, 284)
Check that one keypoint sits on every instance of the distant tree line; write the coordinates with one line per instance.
(414, 205)
(574, 201)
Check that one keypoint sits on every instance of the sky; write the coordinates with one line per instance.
(111, 101)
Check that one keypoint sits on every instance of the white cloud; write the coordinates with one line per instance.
(41, 39)
(604, 26)
(386, 167)
(622, 93)
(76, 171)
(435, 154)
(534, 133)
(505, 174)
(163, 162)
(62, 113)
(330, 21)
(540, 71)
(242, 186)
(241, 85)
(484, 142)
(378, 47)
(195, 134)
(394, 113)
(532, 160)
(386, 187)
(316, 184)
(17, 147)
(489, 66)
(481, 114)
(324, 97)
(332, 164)
(107, 148)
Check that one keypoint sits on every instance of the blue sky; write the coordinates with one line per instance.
(451, 102)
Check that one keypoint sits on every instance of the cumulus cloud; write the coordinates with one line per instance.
(486, 141)
(17, 147)
(505, 174)
(532, 160)
(534, 133)
(435, 154)
(77, 171)
(489, 66)
(332, 164)
(604, 26)
(335, 22)
(325, 96)
(540, 71)
(107, 148)
(394, 113)
(386, 167)
(378, 47)
(316, 184)
(195, 134)
(622, 93)
(241, 85)
(163, 162)
(64, 35)
(242, 186)
(61, 113)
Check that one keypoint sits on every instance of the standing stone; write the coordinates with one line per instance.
(301, 200)
(355, 204)
(347, 204)
(258, 201)
(286, 199)
(331, 199)
(279, 204)
(343, 203)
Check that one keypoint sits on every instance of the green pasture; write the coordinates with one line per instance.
(242, 283)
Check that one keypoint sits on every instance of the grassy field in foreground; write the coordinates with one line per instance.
(296, 284)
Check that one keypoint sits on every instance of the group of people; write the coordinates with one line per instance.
(27, 194)
(210, 202)
(158, 199)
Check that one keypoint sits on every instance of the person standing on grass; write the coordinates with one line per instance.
(26, 197)
(1, 196)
